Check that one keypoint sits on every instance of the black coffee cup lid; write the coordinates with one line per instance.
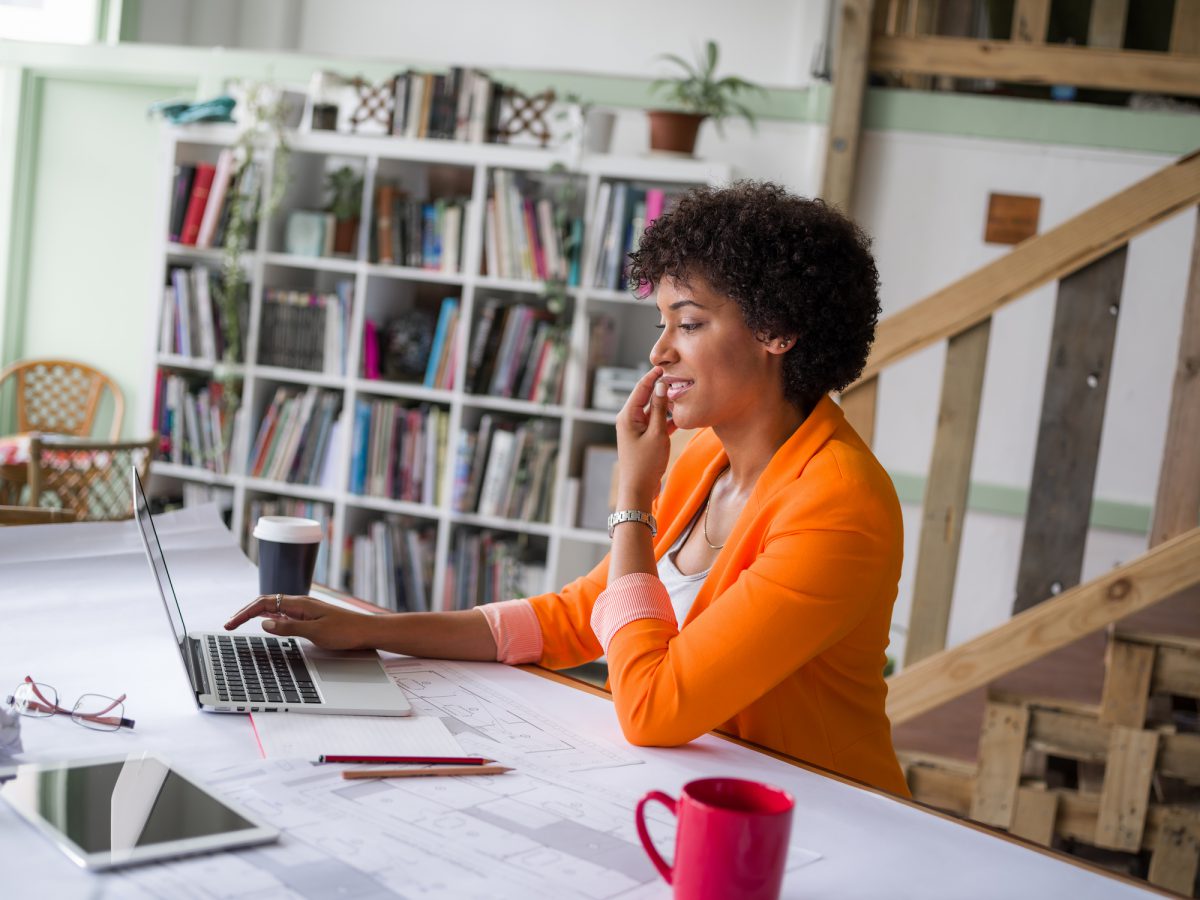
(288, 530)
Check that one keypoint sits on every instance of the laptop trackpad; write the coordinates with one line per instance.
(356, 671)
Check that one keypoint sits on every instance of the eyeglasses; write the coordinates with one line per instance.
(38, 700)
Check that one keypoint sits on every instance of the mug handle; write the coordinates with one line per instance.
(644, 835)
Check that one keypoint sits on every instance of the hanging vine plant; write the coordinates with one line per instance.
(261, 132)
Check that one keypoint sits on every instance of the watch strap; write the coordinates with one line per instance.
(632, 515)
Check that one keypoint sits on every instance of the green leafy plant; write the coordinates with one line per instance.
(701, 92)
(261, 131)
(345, 189)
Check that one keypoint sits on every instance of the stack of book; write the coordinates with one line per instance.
(423, 234)
(395, 450)
(303, 330)
(392, 564)
(506, 471)
(622, 213)
(203, 195)
(516, 351)
(527, 236)
(486, 567)
(305, 509)
(195, 421)
(192, 322)
(461, 105)
(297, 437)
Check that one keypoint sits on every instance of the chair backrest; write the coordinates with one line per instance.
(33, 515)
(61, 396)
(91, 479)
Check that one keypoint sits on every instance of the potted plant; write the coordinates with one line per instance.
(696, 95)
(345, 189)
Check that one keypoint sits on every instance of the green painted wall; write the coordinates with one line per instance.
(94, 191)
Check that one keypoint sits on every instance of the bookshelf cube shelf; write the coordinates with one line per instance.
(484, 290)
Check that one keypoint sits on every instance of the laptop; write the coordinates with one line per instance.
(241, 673)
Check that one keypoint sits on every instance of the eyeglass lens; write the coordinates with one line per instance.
(94, 711)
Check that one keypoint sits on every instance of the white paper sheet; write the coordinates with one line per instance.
(295, 736)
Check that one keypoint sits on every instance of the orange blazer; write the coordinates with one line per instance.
(784, 645)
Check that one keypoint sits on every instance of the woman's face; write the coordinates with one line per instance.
(714, 367)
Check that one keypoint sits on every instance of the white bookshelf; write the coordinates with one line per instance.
(568, 550)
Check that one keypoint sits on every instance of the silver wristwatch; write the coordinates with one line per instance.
(632, 515)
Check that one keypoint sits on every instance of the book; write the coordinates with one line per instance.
(181, 192)
(595, 235)
(496, 476)
(446, 315)
(216, 198)
(385, 200)
(196, 203)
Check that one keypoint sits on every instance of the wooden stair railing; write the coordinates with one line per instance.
(1159, 573)
(1087, 253)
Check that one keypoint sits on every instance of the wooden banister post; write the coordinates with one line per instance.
(1177, 504)
(1030, 21)
(946, 492)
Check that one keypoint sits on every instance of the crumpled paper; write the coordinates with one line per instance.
(10, 732)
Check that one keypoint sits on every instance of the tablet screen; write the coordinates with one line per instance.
(106, 813)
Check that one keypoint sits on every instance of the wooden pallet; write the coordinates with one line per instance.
(1122, 776)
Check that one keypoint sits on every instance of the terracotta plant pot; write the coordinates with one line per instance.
(344, 235)
(674, 131)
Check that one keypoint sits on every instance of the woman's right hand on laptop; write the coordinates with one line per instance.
(327, 626)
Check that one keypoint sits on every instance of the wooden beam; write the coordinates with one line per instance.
(1031, 18)
(1001, 749)
(1068, 442)
(1034, 819)
(919, 19)
(1126, 693)
(858, 405)
(1177, 503)
(1106, 27)
(1118, 70)
(1126, 793)
(1157, 574)
(1046, 257)
(1176, 852)
(1185, 27)
(845, 116)
(946, 490)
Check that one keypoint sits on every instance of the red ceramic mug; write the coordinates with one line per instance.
(731, 840)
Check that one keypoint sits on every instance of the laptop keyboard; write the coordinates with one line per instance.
(252, 669)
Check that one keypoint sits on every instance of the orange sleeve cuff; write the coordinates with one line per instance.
(515, 629)
(629, 598)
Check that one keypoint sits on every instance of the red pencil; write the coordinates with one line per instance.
(400, 760)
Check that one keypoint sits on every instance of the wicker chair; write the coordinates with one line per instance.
(53, 396)
(60, 396)
(89, 479)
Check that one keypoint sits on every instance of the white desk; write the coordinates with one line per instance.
(94, 623)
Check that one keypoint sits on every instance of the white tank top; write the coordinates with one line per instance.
(681, 588)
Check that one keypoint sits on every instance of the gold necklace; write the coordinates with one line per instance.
(707, 504)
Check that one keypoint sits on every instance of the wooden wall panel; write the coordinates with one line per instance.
(1068, 446)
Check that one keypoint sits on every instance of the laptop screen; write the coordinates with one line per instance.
(158, 565)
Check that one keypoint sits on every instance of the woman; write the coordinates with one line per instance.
(755, 593)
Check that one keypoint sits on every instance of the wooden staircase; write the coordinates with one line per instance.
(1105, 768)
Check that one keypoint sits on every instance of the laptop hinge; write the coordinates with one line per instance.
(198, 666)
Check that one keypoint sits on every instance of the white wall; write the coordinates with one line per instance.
(769, 41)
(925, 198)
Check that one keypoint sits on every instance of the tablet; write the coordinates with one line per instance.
(112, 812)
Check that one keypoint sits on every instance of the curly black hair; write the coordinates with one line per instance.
(795, 266)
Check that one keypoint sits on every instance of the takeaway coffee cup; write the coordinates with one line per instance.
(287, 553)
(731, 840)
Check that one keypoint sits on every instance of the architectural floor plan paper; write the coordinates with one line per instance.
(517, 835)
(292, 736)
